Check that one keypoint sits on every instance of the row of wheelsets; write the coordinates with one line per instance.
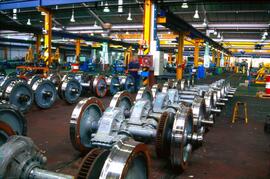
(173, 117)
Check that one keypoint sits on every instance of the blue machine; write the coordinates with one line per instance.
(201, 72)
(118, 67)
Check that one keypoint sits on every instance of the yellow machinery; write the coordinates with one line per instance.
(262, 72)
(29, 56)
(56, 56)
(128, 55)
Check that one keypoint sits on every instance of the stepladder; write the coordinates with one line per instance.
(236, 111)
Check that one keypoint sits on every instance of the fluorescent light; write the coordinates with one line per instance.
(129, 18)
(204, 22)
(14, 14)
(72, 19)
(184, 5)
(196, 15)
(120, 6)
(95, 24)
(106, 8)
(28, 22)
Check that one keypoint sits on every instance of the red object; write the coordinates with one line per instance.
(75, 67)
(146, 60)
(267, 84)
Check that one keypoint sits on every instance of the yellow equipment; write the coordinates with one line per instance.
(56, 56)
(262, 72)
(128, 55)
(236, 111)
(29, 56)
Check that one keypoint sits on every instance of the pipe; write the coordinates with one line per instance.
(38, 173)
(215, 110)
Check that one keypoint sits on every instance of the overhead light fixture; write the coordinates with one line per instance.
(218, 35)
(204, 22)
(14, 14)
(106, 8)
(29, 22)
(129, 18)
(95, 24)
(184, 5)
(215, 32)
(196, 15)
(72, 19)
(120, 6)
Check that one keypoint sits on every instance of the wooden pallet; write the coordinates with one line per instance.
(263, 95)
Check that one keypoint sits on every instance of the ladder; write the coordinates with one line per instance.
(236, 111)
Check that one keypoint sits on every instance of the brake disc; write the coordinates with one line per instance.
(92, 164)
(100, 86)
(114, 84)
(156, 88)
(44, 93)
(14, 118)
(122, 100)
(5, 132)
(19, 94)
(131, 158)
(180, 146)
(144, 93)
(164, 129)
(128, 83)
(84, 122)
(33, 79)
(70, 90)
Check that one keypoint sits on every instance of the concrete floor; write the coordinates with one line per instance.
(240, 151)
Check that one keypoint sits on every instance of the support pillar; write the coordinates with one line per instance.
(218, 58)
(47, 35)
(196, 53)
(213, 56)
(38, 44)
(78, 50)
(147, 25)
(206, 60)
(179, 60)
(5, 53)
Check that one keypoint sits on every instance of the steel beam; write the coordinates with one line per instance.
(177, 24)
(20, 4)
(36, 30)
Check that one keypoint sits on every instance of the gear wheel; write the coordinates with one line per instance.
(92, 164)
(162, 143)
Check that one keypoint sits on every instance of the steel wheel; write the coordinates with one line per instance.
(84, 122)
